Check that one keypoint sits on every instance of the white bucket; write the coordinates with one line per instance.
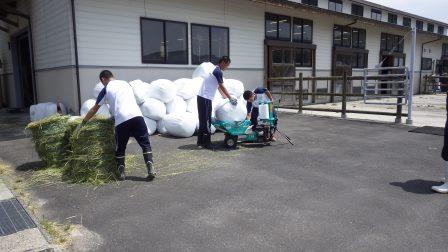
(263, 111)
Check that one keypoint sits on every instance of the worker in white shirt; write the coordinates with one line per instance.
(208, 90)
(129, 120)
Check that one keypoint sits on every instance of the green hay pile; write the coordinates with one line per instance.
(92, 152)
(51, 139)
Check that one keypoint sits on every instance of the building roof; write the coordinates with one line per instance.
(404, 13)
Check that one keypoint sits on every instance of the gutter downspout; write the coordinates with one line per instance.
(30, 32)
(421, 58)
(75, 42)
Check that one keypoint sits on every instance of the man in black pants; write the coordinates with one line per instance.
(206, 94)
(444, 188)
(128, 120)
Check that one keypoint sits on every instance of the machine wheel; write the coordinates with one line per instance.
(231, 141)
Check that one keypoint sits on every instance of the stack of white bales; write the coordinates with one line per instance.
(171, 107)
(41, 110)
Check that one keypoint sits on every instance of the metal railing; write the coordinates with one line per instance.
(432, 83)
(300, 94)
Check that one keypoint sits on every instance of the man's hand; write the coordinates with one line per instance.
(233, 101)
(78, 128)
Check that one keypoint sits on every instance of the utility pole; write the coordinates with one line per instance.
(411, 74)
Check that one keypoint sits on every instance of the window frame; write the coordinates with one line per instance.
(428, 27)
(301, 64)
(350, 30)
(302, 22)
(336, 4)
(210, 40)
(378, 13)
(422, 64)
(405, 19)
(164, 38)
(441, 32)
(444, 50)
(278, 25)
(419, 25)
(392, 38)
(359, 8)
(392, 18)
(311, 2)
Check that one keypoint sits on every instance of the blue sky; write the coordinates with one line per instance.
(434, 9)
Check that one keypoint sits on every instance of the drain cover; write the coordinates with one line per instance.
(13, 217)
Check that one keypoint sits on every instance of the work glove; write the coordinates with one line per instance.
(78, 128)
(233, 101)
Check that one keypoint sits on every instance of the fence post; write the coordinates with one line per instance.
(300, 93)
(344, 96)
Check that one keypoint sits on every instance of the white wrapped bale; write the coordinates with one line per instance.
(180, 124)
(151, 125)
(177, 105)
(140, 90)
(192, 105)
(87, 105)
(234, 87)
(97, 89)
(229, 113)
(204, 70)
(196, 85)
(161, 127)
(39, 111)
(153, 109)
(186, 88)
(162, 90)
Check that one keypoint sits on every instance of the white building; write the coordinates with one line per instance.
(70, 41)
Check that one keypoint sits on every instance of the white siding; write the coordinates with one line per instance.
(52, 33)
(109, 31)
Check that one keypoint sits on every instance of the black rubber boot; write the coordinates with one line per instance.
(149, 165)
(200, 141)
(121, 168)
(208, 142)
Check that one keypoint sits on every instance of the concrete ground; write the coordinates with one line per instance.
(428, 110)
(344, 186)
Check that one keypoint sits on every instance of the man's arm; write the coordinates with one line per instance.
(91, 113)
(223, 91)
(269, 95)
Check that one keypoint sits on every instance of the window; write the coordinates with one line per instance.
(358, 38)
(426, 64)
(353, 59)
(407, 21)
(310, 2)
(430, 27)
(278, 27)
(303, 57)
(302, 30)
(335, 5)
(357, 10)
(444, 50)
(208, 43)
(390, 42)
(348, 37)
(392, 18)
(376, 14)
(441, 30)
(164, 42)
(419, 25)
(282, 56)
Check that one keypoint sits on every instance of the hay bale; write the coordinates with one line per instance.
(92, 154)
(51, 139)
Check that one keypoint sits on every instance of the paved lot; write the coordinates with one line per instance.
(343, 186)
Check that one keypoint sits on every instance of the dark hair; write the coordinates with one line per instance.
(247, 94)
(106, 74)
(224, 59)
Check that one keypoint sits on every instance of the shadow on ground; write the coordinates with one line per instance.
(417, 186)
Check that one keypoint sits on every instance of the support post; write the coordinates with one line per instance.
(300, 93)
(344, 95)
(411, 74)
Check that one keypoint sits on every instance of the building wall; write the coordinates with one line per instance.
(109, 37)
